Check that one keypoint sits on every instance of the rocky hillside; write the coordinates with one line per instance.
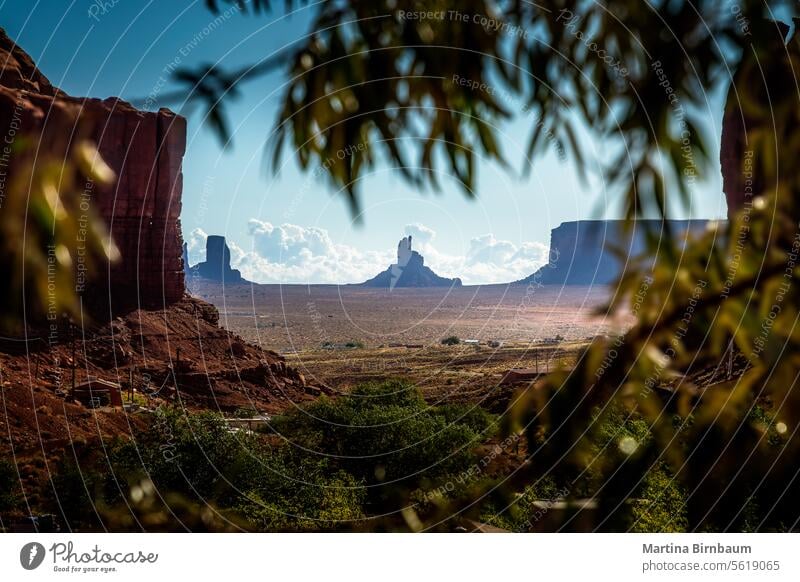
(178, 356)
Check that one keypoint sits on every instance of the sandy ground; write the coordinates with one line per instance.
(289, 318)
(398, 333)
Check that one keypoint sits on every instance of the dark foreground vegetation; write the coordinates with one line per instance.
(377, 459)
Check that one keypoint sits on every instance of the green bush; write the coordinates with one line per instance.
(520, 513)
(451, 341)
(338, 461)
(476, 418)
(76, 494)
(296, 492)
(661, 504)
(387, 433)
(197, 457)
(192, 454)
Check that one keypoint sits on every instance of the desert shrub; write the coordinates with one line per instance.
(661, 504)
(354, 344)
(451, 341)
(520, 513)
(195, 458)
(386, 432)
(300, 493)
(476, 418)
(640, 494)
(191, 454)
(245, 412)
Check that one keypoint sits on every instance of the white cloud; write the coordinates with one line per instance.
(196, 245)
(487, 260)
(291, 253)
(289, 243)
(421, 234)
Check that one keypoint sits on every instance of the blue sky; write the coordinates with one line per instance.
(290, 227)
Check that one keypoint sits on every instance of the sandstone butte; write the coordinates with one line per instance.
(145, 149)
(153, 333)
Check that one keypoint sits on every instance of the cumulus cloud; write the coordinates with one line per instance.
(422, 235)
(289, 243)
(290, 253)
(196, 245)
(488, 260)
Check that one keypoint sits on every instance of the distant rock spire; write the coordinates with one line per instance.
(404, 251)
(409, 271)
(217, 266)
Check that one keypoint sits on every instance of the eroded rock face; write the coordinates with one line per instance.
(145, 149)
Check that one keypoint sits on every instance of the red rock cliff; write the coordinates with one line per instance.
(145, 149)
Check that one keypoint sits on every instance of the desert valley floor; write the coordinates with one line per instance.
(340, 335)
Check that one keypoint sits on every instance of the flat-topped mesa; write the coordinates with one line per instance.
(596, 252)
(217, 266)
(145, 150)
(409, 271)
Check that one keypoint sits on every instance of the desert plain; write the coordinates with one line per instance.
(340, 335)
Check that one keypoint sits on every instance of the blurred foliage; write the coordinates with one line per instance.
(733, 291)
(47, 230)
(417, 83)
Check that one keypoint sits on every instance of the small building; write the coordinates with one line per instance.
(95, 392)
(472, 342)
(248, 424)
(519, 375)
